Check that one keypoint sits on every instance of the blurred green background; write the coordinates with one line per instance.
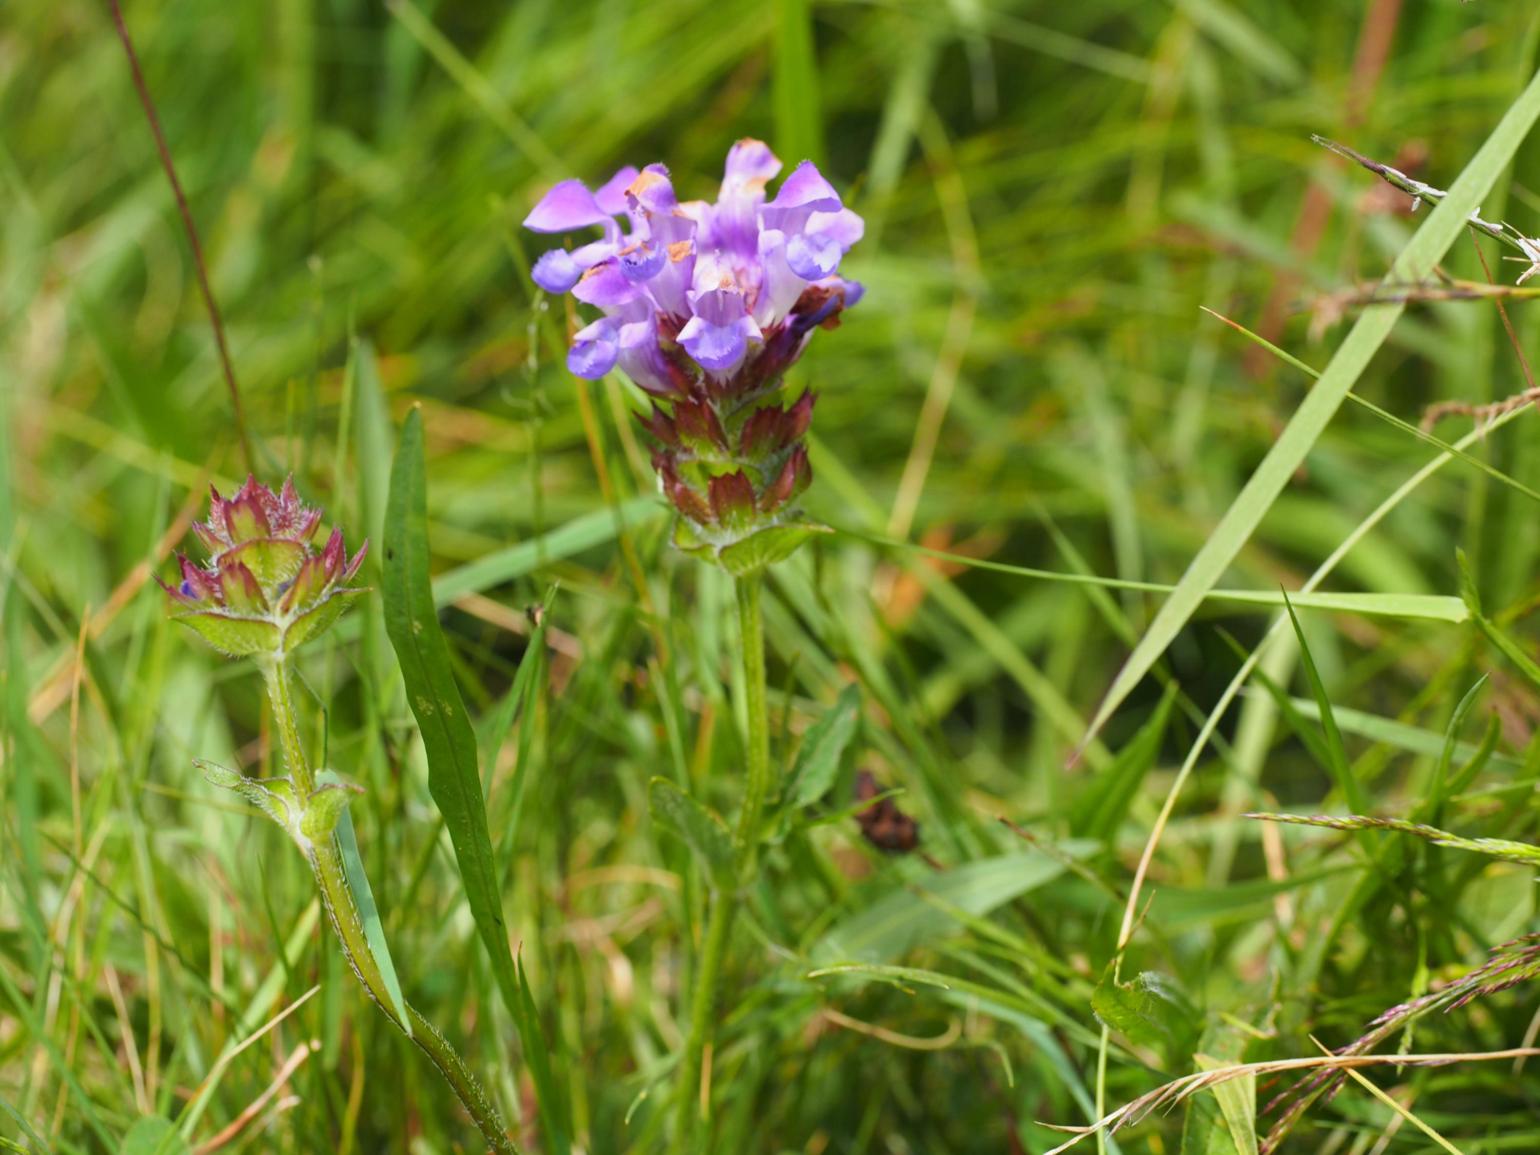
(1051, 192)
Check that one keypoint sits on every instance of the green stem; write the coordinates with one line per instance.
(751, 626)
(724, 906)
(326, 864)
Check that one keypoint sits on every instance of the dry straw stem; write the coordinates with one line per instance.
(1178, 1090)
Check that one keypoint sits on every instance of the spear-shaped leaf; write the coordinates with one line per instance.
(453, 779)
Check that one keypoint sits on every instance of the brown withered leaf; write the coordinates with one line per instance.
(882, 823)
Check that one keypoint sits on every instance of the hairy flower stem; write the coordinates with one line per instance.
(724, 905)
(326, 864)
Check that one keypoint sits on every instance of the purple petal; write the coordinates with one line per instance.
(718, 335)
(805, 188)
(556, 271)
(811, 256)
(569, 205)
(718, 306)
(845, 227)
(719, 348)
(611, 197)
(652, 191)
(642, 360)
(587, 256)
(604, 285)
(781, 286)
(750, 165)
(594, 350)
(675, 236)
(643, 262)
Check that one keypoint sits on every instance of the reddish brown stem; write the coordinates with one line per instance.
(187, 224)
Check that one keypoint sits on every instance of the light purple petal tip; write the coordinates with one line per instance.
(604, 286)
(642, 262)
(718, 348)
(845, 227)
(594, 350)
(611, 196)
(811, 256)
(806, 188)
(749, 162)
(717, 336)
(556, 271)
(569, 205)
(652, 191)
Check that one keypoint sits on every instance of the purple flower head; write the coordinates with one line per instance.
(719, 280)
(705, 306)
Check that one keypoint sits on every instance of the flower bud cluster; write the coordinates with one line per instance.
(266, 588)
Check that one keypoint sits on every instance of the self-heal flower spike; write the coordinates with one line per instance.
(705, 307)
(266, 588)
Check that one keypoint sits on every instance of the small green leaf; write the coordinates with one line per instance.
(153, 1135)
(767, 547)
(1150, 1010)
(325, 808)
(319, 619)
(273, 796)
(818, 758)
(701, 828)
(237, 637)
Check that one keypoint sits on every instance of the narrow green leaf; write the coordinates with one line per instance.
(363, 897)
(1495, 634)
(1336, 752)
(1442, 788)
(1416, 262)
(901, 977)
(704, 832)
(1408, 607)
(1181, 909)
(886, 927)
(1102, 805)
(1413, 739)
(411, 620)
(585, 532)
(153, 1135)
(818, 758)
(1237, 1102)
(39, 1144)
(798, 125)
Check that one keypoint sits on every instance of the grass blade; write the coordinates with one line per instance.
(1235, 528)
(798, 129)
(1336, 751)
